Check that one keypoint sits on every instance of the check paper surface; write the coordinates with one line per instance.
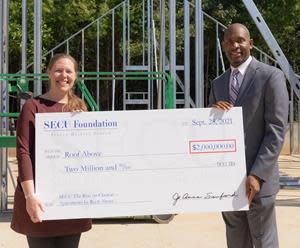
(127, 163)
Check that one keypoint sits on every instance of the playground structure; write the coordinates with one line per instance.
(158, 91)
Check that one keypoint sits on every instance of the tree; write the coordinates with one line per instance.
(61, 19)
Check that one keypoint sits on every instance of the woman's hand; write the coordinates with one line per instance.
(34, 208)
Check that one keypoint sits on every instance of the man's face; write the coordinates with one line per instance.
(237, 45)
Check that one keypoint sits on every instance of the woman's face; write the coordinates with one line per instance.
(62, 75)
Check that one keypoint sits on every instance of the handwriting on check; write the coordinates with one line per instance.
(207, 196)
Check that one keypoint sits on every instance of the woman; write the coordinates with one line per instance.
(62, 71)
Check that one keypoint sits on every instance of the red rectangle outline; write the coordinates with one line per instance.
(234, 140)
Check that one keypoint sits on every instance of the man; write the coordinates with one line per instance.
(261, 91)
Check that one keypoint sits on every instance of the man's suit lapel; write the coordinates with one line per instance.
(223, 92)
(247, 81)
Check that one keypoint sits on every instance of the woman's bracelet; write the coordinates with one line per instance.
(29, 195)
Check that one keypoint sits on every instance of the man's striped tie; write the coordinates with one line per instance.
(234, 86)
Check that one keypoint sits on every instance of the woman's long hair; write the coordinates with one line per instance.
(74, 102)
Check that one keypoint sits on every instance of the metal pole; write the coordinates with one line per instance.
(2, 167)
(113, 58)
(24, 42)
(162, 48)
(152, 32)
(82, 57)
(1, 38)
(217, 50)
(172, 31)
(6, 42)
(128, 32)
(37, 44)
(98, 62)
(4, 101)
(24, 36)
(149, 44)
(124, 54)
(158, 82)
(292, 122)
(143, 30)
(186, 54)
(221, 54)
(82, 51)
(199, 48)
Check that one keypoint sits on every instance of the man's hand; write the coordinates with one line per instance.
(253, 185)
(222, 105)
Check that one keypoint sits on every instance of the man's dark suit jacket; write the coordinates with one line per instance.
(264, 99)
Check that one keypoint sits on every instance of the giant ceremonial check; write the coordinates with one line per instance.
(127, 163)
